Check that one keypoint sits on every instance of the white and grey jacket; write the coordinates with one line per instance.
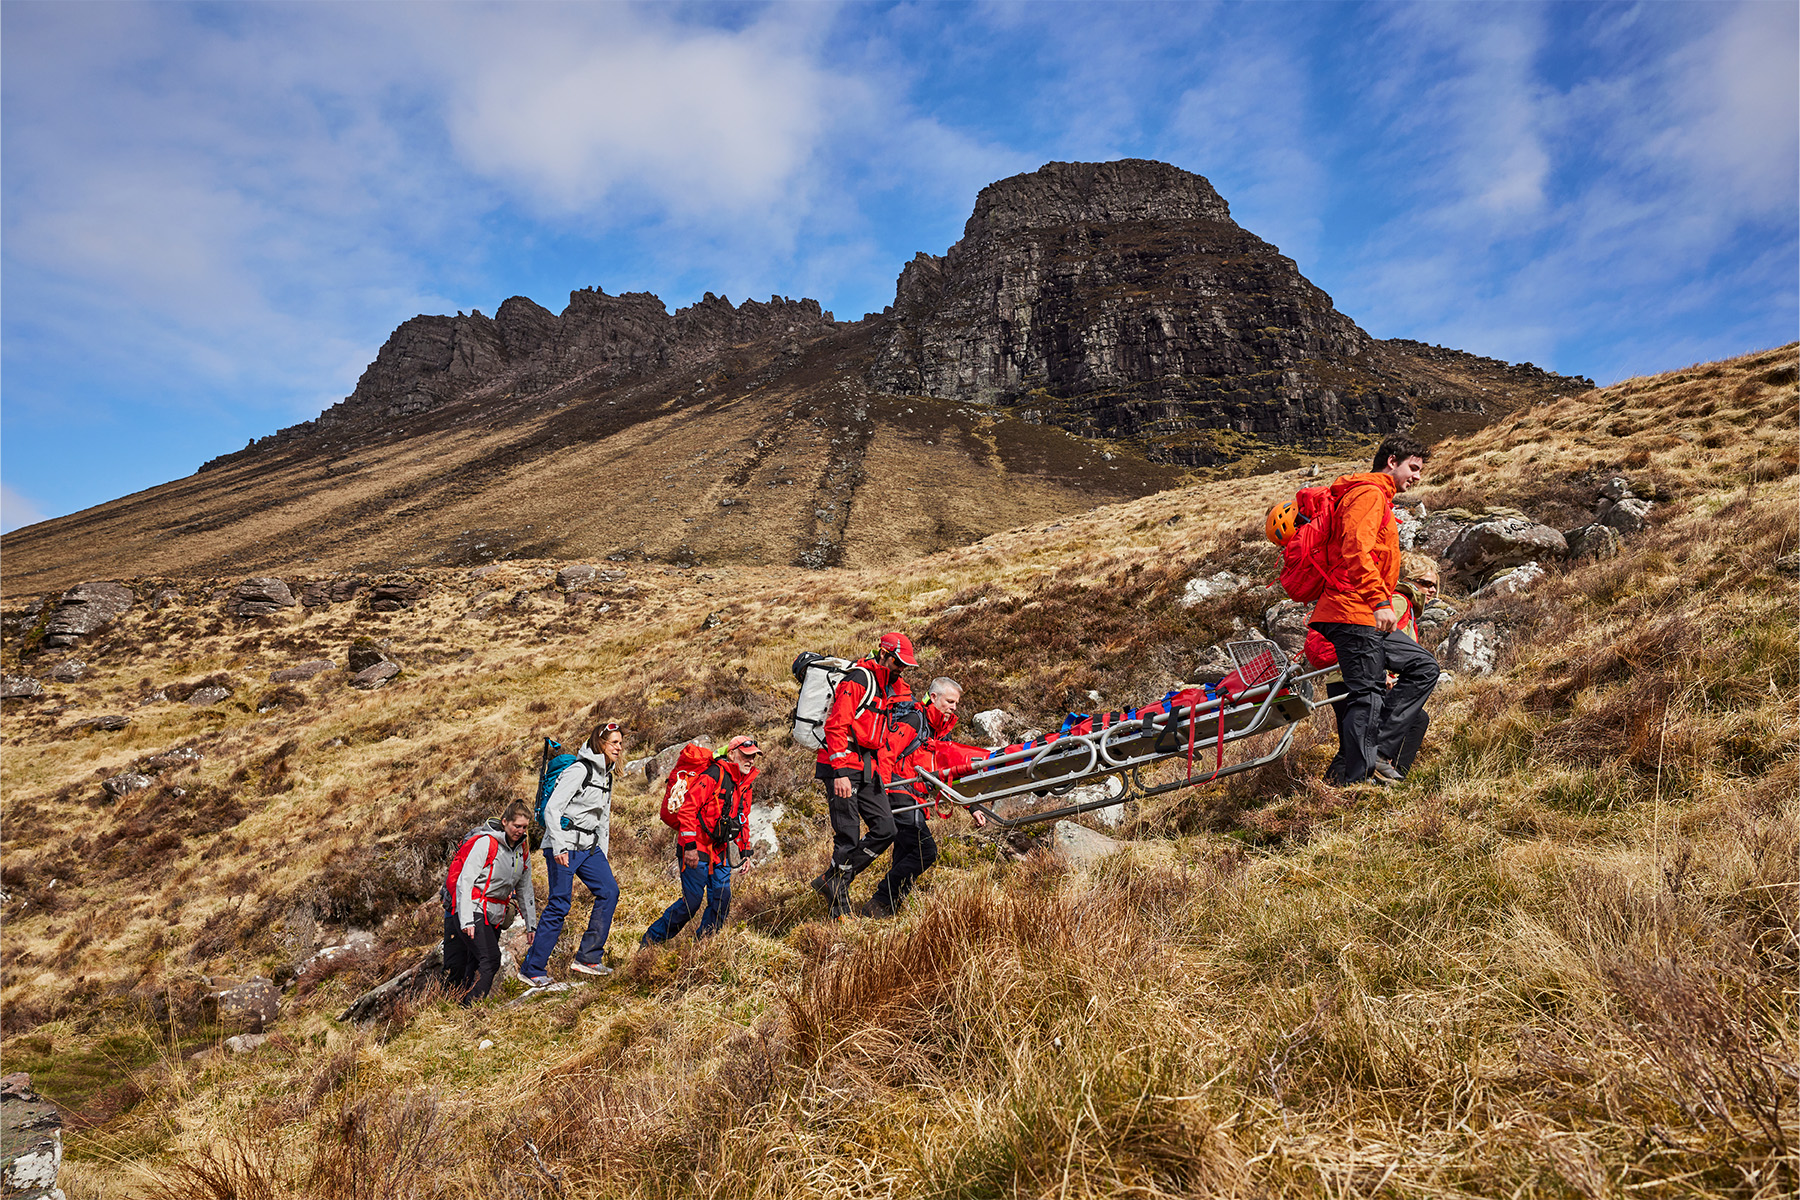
(583, 796)
(482, 891)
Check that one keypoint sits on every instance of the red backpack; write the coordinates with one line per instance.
(462, 855)
(1303, 574)
(692, 760)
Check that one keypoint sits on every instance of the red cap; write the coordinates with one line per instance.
(744, 742)
(900, 646)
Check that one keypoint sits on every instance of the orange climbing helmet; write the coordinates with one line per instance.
(1280, 524)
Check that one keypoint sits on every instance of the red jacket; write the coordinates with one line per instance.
(858, 723)
(705, 804)
(1362, 561)
(902, 771)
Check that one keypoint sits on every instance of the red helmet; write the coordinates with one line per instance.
(900, 646)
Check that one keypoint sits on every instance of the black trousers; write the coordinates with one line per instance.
(1409, 745)
(470, 960)
(1376, 718)
(852, 850)
(914, 852)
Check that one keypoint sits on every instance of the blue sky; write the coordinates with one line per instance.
(214, 214)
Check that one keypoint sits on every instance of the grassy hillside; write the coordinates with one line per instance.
(1559, 960)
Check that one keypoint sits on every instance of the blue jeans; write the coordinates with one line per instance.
(591, 867)
(713, 880)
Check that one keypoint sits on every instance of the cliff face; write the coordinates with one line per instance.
(1120, 299)
(525, 348)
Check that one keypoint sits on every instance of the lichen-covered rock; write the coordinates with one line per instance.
(1627, 516)
(392, 595)
(1202, 588)
(1080, 847)
(253, 1004)
(1510, 582)
(202, 697)
(302, 671)
(375, 676)
(109, 723)
(126, 783)
(1484, 548)
(1471, 646)
(365, 653)
(572, 578)
(169, 760)
(30, 1141)
(1592, 541)
(1617, 488)
(84, 609)
(1285, 623)
(260, 596)
(69, 670)
(19, 687)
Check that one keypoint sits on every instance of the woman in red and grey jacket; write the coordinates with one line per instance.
(850, 765)
(488, 873)
(911, 750)
(715, 820)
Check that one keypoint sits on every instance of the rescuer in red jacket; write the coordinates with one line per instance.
(851, 765)
(920, 741)
(715, 822)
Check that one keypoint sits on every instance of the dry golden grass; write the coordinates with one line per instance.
(1560, 960)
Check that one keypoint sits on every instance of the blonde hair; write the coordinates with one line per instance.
(1414, 566)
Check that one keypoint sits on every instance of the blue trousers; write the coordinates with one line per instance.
(591, 867)
(711, 881)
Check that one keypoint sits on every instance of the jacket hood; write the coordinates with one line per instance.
(1344, 483)
(747, 775)
(940, 725)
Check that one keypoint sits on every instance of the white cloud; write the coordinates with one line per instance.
(16, 511)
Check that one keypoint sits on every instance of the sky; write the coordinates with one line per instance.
(212, 215)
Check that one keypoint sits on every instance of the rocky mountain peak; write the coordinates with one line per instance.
(1064, 193)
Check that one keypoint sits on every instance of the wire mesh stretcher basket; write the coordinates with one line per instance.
(1194, 726)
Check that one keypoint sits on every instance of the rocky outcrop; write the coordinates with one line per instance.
(1121, 299)
(301, 672)
(1488, 546)
(85, 608)
(525, 349)
(260, 597)
(19, 687)
(253, 1004)
(392, 595)
(69, 670)
(30, 1141)
(375, 676)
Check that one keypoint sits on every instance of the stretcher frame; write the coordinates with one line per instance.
(1058, 765)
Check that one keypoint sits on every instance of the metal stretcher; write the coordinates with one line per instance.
(1279, 695)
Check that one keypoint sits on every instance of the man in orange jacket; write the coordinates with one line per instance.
(853, 763)
(1356, 615)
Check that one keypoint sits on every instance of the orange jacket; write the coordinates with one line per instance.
(1362, 559)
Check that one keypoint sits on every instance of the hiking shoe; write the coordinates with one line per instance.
(874, 909)
(538, 981)
(599, 969)
(836, 889)
(1386, 770)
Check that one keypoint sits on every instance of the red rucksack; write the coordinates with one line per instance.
(462, 855)
(1303, 575)
(693, 759)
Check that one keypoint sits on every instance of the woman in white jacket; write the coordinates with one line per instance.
(577, 822)
(490, 872)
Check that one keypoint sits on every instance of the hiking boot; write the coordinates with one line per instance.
(874, 909)
(597, 969)
(1385, 770)
(834, 885)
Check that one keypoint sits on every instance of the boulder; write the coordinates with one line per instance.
(1202, 588)
(321, 592)
(392, 595)
(201, 697)
(1592, 541)
(1471, 646)
(125, 784)
(1110, 788)
(1627, 516)
(1079, 847)
(259, 597)
(1409, 525)
(1436, 532)
(244, 1043)
(19, 687)
(302, 671)
(1508, 542)
(85, 608)
(574, 577)
(1436, 615)
(1285, 622)
(1510, 582)
(1617, 488)
(30, 1141)
(365, 653)
(1214, 664)
(169, 760)
(992, 724)
(763, 819)
(355, 942)
(69, 670)
(110, 723)
(165, 598)
(255, 1003)
(376, 676)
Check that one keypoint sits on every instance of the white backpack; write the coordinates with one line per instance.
(818, 676)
